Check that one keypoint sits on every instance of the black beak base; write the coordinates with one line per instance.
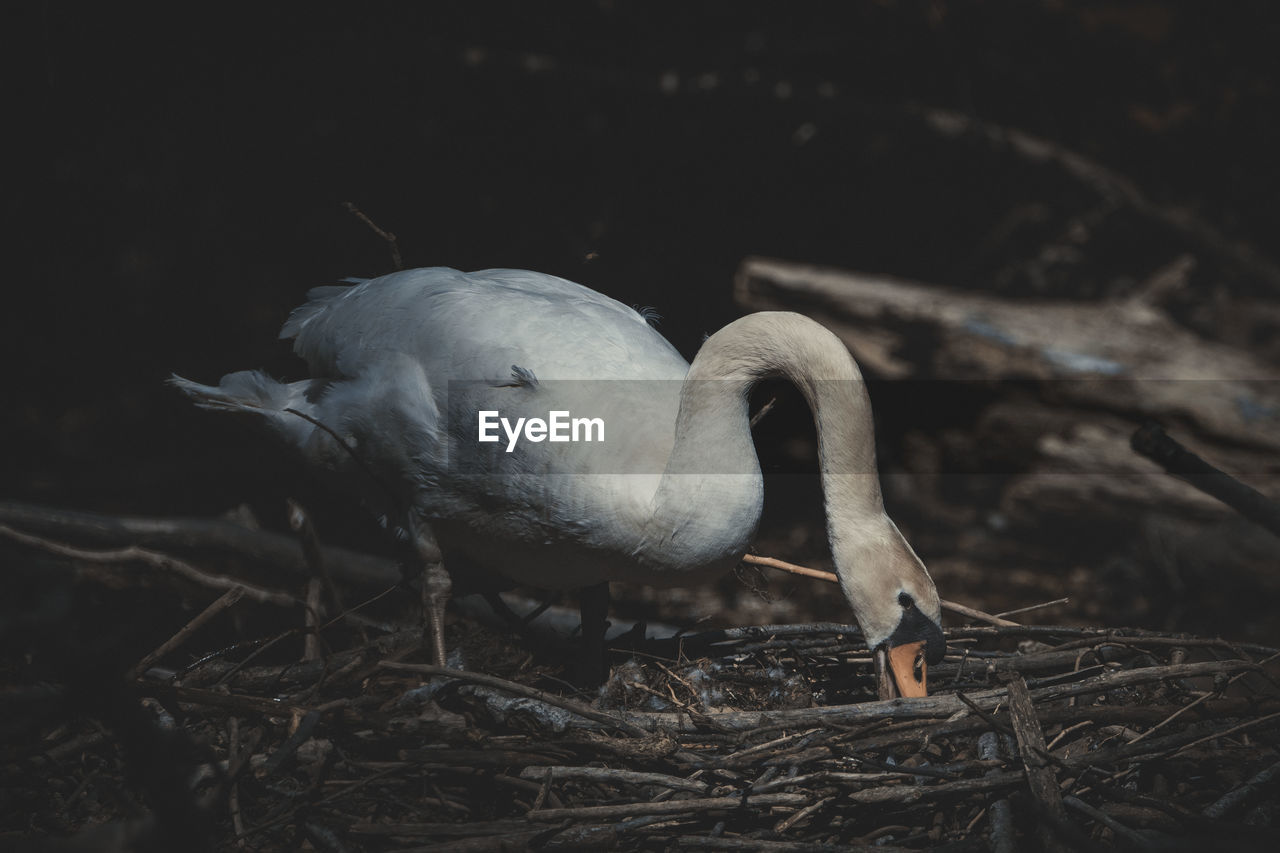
(915, 627)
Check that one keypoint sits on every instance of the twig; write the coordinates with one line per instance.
(345, 791)
(742, 757)
(157, 560)
(1153, 442)
(1041, 778)
(1031, 607)
(440, 830)
(830, 577)
(906, 794)
(385, 235)
(226, 600)
(801, 815)
(313, 552)
(835, 777)
(1099, 816)
(1185, 708)
(756, 845)
(311, 615)
(286, 750)
(233, 792)
(584, 711)
(764, 410)
(1237, 797)
(774, 563)
(610, 775)
(271, 551)
(671, 807)
(990, 719)
(1108, 184)
(978, 614)
(229, 701)
(544, 792)
(990, 747)
(1248, 724)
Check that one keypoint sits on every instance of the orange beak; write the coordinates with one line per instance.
(902, 671)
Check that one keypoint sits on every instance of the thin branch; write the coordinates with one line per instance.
(1153, 442)
(1031, 607)
(1110, 185)
(671, 807)
(223, 602)
(830, 577)
(385, 235)
(155, 559)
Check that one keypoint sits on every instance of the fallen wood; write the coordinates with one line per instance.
(1041, 778)
(1123, 356)
(1154, 443)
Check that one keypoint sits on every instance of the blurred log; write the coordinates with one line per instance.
(1067, 381)
(1123, 356)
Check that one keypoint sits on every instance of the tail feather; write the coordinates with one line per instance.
(246, 391)
(254, 392)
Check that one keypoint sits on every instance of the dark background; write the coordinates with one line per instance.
(180, 177)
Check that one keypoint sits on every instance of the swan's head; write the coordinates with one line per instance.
(893, 599)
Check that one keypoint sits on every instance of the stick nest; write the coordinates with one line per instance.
(748, 739)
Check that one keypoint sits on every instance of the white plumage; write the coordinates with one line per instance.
(402, 364)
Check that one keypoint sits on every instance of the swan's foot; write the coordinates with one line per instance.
(594, 607)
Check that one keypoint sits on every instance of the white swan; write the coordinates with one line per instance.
(404, 365)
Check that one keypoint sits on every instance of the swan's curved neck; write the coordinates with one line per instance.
(723, 498)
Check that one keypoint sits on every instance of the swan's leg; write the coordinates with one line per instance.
(436, 586)
(594, 606)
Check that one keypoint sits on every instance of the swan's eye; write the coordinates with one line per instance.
(905, 600)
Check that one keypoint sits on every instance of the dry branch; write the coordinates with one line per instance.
(1154, 443)
(830, 577)
(225, 601)
(1108, 184)
(1041, 778)
(272, 552)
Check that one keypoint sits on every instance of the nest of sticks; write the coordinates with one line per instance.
(761, 738)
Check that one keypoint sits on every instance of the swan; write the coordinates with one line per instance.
(423, 373)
